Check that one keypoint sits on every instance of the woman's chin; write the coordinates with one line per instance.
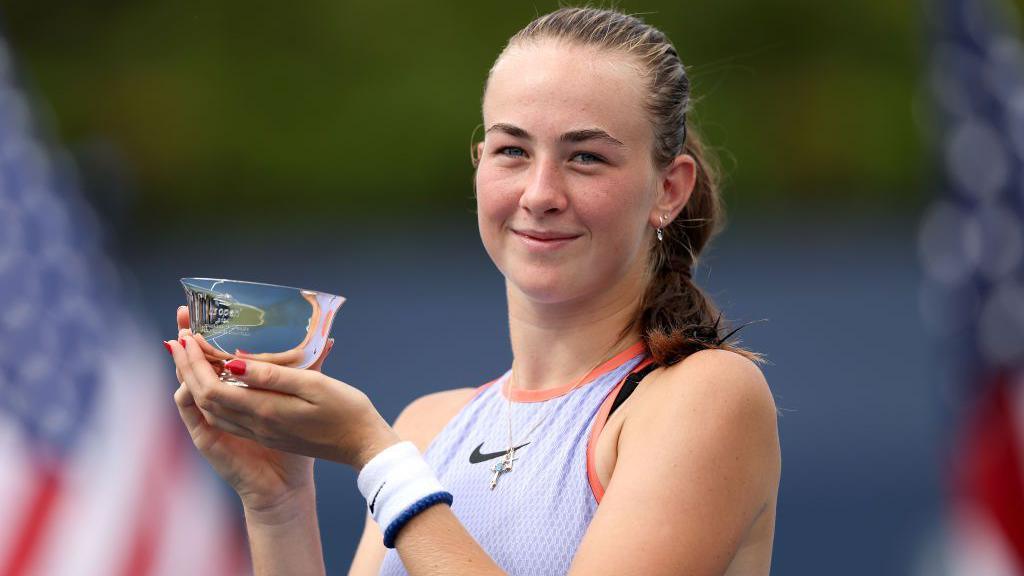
(540, 290)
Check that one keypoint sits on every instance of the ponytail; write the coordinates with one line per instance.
(676, 317)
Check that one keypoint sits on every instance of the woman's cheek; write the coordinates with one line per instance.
(495, 196)
(490, 217)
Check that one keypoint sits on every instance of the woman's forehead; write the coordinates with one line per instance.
(553, 87)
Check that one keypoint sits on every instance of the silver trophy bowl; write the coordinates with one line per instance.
(265, 322)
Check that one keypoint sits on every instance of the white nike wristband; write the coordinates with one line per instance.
(397, 484)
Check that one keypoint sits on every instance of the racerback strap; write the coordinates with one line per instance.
(632, 381)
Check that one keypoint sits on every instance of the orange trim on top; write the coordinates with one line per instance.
(599, 421)
(480, 390)
(549, 393)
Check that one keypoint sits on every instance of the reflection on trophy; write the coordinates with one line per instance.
(269, 323)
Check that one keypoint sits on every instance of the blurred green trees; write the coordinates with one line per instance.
(367, 108)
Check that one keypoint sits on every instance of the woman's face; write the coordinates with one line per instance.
(565, 185)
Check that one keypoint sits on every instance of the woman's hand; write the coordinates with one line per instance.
(298, 411)
(267, 480)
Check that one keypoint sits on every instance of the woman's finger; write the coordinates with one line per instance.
(216, 364)
(202, 371)
(238, 404)
(187, 408)
(195, 381)
(195, 418)
(182, 397)
(276, 378)
(199, 375)
(181, 367)
(212, 354)
(227, 425)
(182, 317)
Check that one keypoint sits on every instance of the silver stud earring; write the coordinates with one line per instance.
(661, 232)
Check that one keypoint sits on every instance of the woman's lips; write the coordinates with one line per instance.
(545, 240)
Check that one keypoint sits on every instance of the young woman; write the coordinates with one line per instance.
(627, 438)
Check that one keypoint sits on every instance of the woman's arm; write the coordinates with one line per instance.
(286, 539)
(420, 422)
(435, 543)
(698, 463)
(370, 551)
(277, 489)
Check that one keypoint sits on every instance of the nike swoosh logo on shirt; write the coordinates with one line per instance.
(477, 457)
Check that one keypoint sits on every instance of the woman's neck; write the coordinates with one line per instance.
(554, 345)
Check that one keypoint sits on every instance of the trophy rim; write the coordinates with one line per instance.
(272, 285)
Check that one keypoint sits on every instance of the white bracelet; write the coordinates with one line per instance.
(397, 484)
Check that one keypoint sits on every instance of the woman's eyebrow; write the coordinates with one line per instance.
(511, 130)
(571, 137)
(590, 134)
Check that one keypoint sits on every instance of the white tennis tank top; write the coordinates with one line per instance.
(534, 519)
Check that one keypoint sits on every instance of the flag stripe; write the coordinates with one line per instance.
(47, 484)
(163, 472)
(991, 468)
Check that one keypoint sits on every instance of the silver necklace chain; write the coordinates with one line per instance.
(504, 466)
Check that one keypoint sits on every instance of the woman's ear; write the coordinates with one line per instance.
(479, 150)
(675, 186)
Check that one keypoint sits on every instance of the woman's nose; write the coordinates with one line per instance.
(545, 190)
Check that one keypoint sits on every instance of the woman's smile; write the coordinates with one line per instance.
(544, 240)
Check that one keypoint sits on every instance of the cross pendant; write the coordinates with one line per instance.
(505, 465)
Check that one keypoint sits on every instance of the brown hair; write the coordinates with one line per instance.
(675, 317)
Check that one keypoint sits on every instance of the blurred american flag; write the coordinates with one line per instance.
(972, 247)
(97, 476)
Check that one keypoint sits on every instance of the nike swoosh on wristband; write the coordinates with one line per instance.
(374, 501)
(477, 457)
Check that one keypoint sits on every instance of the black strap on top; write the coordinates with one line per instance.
(632, 381)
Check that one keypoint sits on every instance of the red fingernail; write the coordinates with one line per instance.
(237, 367)
(182, 342)
(168, 346)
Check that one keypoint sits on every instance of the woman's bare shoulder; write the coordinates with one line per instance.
(720, 374)
(713, 388)
(700, 443)
(426, 416)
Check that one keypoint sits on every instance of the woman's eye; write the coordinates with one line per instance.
(511, 152)
(588, 158)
